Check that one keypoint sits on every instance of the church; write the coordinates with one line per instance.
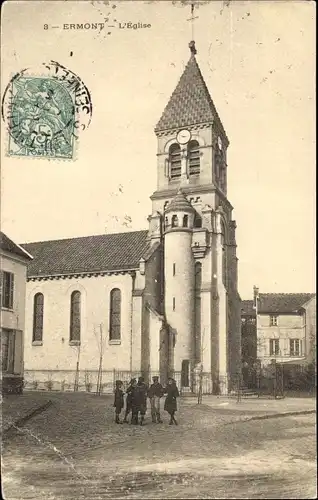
(159, 301)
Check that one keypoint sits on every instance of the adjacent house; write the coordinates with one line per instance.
(13, 265)
(286, 324)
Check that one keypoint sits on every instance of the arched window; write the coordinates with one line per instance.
(38, 309)
(174, 221)
(75, 321)
(166, 222)
(185, 221)
(114, 314)
(197, 309)
(197, 221)
(193, 158)
(224, 264)
(175, 161)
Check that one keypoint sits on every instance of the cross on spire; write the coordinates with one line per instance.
(192, 19)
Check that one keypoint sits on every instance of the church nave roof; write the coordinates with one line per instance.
(87, 254)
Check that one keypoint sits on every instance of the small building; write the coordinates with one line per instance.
(13, 265)
(286, 324)
(279, 339)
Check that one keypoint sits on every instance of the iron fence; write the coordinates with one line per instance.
(259, 383)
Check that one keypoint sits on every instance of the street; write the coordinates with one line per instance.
(74, 450)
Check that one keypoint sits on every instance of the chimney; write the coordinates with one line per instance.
(255, 296)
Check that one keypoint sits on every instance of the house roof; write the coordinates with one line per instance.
(247, 308)
(8, 245)
(105, 252)
(282, 302)
(190, 103)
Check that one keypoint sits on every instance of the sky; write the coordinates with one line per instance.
(258, 61)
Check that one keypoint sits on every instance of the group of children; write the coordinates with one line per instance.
(136, 400)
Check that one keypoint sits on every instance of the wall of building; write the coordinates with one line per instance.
(310, 328)
(14, 319)
(56, 353)
(289, 326)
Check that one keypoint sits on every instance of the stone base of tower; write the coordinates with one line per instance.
(223, 385)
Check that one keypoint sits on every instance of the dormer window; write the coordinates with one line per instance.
(175, 161)
(193, 158)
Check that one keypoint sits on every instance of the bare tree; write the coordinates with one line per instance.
(101, 341)
(78, 348)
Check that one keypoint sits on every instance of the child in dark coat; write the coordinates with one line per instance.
(130, 390)
(139, 402)
(171, 400)
(118, 400)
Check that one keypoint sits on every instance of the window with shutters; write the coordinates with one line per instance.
(38, 310)
(273, 320)
(114, 315)
(193, 158)
(7, 289)
(274, 347)
(175, 161)
(75, 321)
(7, 350)
(294, 347)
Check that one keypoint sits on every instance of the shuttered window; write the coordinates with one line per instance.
(175, 161)
(193, 158)
(7, 289)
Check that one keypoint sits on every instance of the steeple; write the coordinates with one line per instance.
(190, 103)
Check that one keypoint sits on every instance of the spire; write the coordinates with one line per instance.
(190, 103)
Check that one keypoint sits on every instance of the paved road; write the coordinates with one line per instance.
(75, 451)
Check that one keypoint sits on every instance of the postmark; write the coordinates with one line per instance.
(45, 111)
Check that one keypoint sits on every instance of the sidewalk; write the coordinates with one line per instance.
(16, 409)
(256, 407)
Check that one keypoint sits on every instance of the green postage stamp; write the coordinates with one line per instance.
(45, 114)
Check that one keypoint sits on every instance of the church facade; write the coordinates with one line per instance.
(160, 301)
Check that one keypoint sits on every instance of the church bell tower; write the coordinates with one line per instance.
(201, 302)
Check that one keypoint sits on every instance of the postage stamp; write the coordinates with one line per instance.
(45, 113)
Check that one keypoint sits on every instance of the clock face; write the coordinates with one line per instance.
(183, 136)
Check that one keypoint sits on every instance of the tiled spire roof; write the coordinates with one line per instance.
(190, 103)
(179, 203)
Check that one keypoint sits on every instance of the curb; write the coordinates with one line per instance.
(22, 420)
(277, 415)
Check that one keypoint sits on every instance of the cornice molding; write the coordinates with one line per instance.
(55, 277)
